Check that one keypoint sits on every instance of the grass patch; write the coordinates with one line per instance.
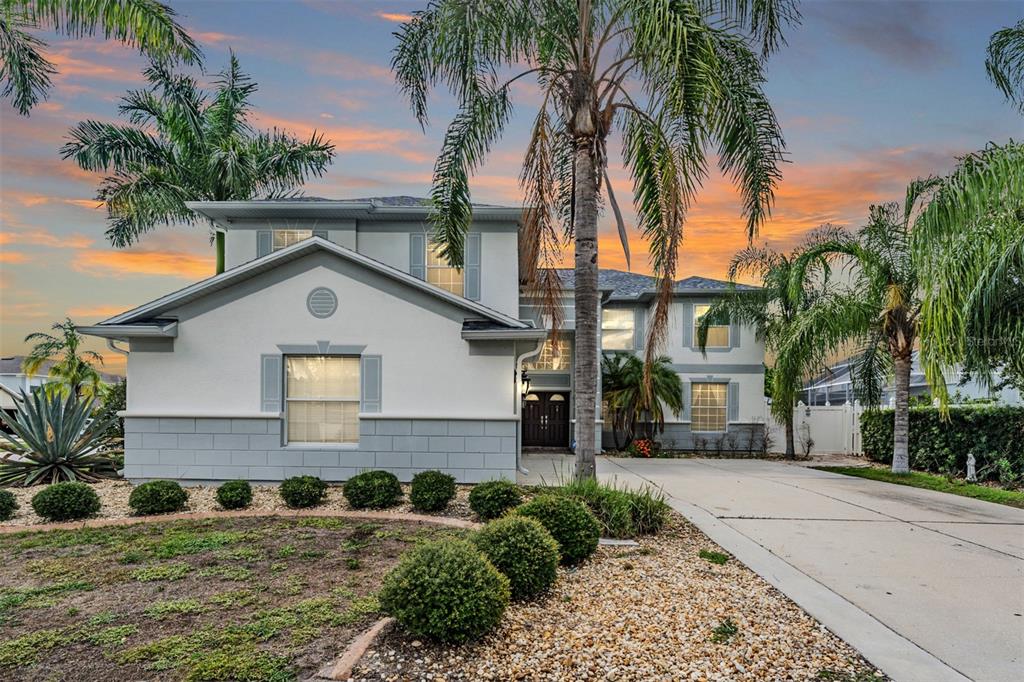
(234, 573)
(918, 479)
(622, 513)
(714, 557)
(26, 650)
(165, 609)
(182, 543)
(235, 599)
(244, 662)
(172, 571)
(38, 597)
(724, 631)
(116, 635)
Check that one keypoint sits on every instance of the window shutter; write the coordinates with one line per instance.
(471, 272)
(370, 377)
(685, 415)
(734, 401)
(639, 320)
(418, 255)
(270, 383)
(264, 243)
(320, 233)
(734, 334)
(688, 325)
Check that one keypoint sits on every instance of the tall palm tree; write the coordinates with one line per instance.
(72, 368)
(673, 76)
(880, 310)
(968, 242)
(633, 401)
(25, 72)
(188, 145)
(772, 310)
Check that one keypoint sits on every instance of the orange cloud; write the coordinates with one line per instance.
(215, 37)
(13, 257)
(91, 204)
(354, 138)
(96, 311)
(22, 311)
(41, 237)
(331, 63)
(25, 198)
(110, 263)
(68, 65)
(396, 17)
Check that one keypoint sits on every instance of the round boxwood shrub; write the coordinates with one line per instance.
(158, 497)
(523, 550)
(7, 505)
(445, 590)
(431, 491)
(66, 501)
(300, 492)
(234, 494)
(569, 521)
(492, 499)
(373, 490)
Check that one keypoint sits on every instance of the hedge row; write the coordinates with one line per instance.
(995, 434)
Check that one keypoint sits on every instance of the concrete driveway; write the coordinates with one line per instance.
(928, 586)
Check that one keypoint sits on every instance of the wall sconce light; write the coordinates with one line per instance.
(524, 383)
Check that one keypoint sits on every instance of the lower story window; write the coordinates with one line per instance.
(708, 404)
(322, 399)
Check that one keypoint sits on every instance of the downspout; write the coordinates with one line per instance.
(517, 401)
(111, 346)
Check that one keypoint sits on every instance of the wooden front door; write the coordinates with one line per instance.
(546, 420)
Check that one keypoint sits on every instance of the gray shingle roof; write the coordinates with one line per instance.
(631, 284)
(401, 201)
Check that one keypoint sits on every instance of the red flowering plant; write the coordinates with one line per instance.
(642, 447)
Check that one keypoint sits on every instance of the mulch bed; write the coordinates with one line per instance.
(246, 598)
(657, 612)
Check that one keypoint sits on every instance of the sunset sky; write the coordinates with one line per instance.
(870, 95)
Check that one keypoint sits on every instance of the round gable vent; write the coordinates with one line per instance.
(321, 302)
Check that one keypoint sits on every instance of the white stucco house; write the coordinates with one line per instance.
(336, 341)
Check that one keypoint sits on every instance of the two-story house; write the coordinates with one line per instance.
(337, 340)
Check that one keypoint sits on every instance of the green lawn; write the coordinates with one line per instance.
(917, 479)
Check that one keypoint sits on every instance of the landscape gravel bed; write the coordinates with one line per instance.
(646, 613)
(114, 501)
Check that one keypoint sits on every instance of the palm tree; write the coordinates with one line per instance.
(25, 72)
(674, 77)
(968, 242)
(772, 309)
(74, 369)
(632, 401)
(880, 310)
(188, 145)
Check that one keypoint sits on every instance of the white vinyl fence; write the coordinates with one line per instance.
(827, 429)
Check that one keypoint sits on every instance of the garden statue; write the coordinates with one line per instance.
(972, 475)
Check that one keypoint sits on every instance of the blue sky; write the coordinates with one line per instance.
(869, 94)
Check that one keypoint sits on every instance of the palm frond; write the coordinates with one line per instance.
(24, 71)
(1005, 63)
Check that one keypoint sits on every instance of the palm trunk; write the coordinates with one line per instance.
(901, 421)
(790, 437)
(587, 312)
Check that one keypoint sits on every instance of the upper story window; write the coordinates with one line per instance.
(709, 403)
(322, 399)
(440, 273)
(555, 356)
(285, 238)
(617, 327)
(718, 332)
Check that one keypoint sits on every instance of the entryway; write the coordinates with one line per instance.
(546, 420)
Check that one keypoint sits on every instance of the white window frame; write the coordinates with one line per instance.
(694, 407)
(628, 313)
(288, 240)
(696, 323)
(357, 399)
(443, 265)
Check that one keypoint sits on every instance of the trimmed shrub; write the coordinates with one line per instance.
(66, 501)
(8, 505)
(573, 526)
(523, 550)
(431, 491)
(300, 492)
(158, 497)
(234, 495)
(992, 432)
(492, 499)
(445, 590)
(373, 490)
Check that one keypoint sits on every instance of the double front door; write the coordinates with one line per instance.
(546, 420)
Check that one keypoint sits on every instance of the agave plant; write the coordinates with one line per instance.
(55, 440)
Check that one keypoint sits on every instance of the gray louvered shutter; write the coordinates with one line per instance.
(320, 233)
(687, 325)
(734, 401)
(471, 273)
(370, 382)
(687, 399)
(639, 321)
(264, 243)
(418, 255)
(734, 334)
(270, 383)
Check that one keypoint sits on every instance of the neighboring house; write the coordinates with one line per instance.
(337, 341)
(14, 379)
(834, 386)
